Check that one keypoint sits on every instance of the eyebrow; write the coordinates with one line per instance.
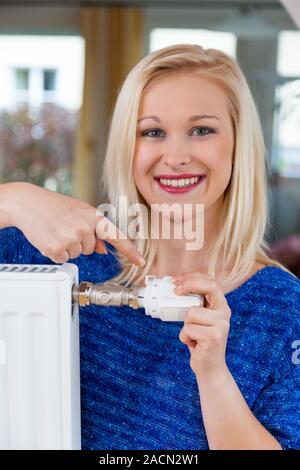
(197, 117)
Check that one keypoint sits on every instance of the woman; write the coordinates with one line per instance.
(228, 378)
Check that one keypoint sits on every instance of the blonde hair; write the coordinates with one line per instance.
(244, 217)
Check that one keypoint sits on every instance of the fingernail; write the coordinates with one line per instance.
(141, 261)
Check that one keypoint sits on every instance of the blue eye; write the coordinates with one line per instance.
(147, 133)
(205, 130)
(157, 132)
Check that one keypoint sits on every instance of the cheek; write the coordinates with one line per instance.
(142, 165)
(139, 171)
(218, 158)
(143, 160)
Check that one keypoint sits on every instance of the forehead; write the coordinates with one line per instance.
(184, 92)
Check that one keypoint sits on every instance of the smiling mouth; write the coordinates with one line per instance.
(179, 185)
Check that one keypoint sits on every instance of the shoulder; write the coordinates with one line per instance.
(270, 282)
(280, 291)
(277, 284)
(272, 296)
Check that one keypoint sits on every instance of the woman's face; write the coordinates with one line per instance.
(185, 133)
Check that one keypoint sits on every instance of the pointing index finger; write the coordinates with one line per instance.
(106, 230)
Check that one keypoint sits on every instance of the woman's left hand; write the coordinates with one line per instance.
(205, 329)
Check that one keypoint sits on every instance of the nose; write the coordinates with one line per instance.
(176, 155)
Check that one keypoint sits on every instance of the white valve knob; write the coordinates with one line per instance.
(160, 301)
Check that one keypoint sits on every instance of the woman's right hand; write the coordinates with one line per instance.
(60, 226)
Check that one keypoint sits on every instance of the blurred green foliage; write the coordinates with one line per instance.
(37, 146)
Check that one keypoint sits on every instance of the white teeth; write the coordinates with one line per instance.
(179, 182)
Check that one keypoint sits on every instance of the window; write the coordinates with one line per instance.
(40, 97)
(287, 115)
(162, 37)
(55, 76)
(49, 86)
(49, 80)
(22, 79)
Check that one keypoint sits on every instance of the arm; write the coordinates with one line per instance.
(5, 203)
(228, 421)
(61, 227)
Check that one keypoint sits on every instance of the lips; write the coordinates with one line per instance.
(178, 177)
(176, 190)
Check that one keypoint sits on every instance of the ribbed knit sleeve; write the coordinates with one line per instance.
(16, 249)
(278, 405)
(278, 409)
(10, 246)
(5, 247)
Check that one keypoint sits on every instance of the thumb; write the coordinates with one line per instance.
(100, 247)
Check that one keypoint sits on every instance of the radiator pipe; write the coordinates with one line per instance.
(157, 298)
(107, 294)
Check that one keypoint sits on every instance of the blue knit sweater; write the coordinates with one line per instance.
(137, 388)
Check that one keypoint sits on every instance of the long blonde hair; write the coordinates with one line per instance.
(244, 217)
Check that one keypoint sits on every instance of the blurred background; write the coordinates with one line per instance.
(62, 63)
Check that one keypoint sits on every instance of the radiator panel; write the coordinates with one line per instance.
(39, 370)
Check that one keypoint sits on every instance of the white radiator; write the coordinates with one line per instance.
(39, 357)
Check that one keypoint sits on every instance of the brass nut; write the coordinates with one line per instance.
(83, 293)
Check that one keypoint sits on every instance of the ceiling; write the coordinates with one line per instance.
(261, 4)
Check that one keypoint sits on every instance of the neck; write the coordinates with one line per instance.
(173, 257)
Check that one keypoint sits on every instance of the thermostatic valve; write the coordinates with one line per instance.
(107, 294)
(160, 301)
(157, 297)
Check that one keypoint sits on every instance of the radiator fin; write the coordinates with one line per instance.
(9, 268)
(39, 363)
